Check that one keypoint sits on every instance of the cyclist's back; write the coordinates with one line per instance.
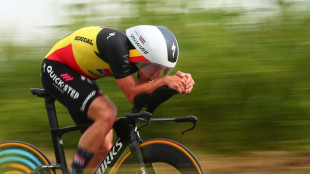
(94, 52)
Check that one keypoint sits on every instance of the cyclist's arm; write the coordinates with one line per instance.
(132, 87)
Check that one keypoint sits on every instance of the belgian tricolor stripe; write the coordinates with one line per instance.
(135, 56)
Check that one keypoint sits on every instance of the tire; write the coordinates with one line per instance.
(173, 157)
(21, 158)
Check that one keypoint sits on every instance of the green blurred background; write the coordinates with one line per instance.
(249, 60)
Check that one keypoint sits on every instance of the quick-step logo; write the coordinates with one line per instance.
(60, 84)
(109, 158)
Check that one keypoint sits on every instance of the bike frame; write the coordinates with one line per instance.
(125, 128)
(132, 140)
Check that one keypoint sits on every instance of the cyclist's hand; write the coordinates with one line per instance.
(176, 82)
(189, 83)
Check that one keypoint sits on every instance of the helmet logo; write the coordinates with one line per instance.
(142, 39)
(172, 52)
(110, 35)
(173, 49)
(171, 43)
(139, 45)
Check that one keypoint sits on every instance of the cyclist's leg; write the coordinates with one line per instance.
(85, 103)
(103, 113)
(102, 152)
(96, 139)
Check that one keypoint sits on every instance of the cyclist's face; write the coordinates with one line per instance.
(151, 72)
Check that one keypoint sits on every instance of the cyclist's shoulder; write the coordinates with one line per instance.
(112, 41)
(110, 34)
(101, 33)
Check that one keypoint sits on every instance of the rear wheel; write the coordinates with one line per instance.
(162, 156)
(22, 158)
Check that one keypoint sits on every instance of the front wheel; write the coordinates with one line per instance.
(162, 156)
(22, 158)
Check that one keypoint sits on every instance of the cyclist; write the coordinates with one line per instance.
(71, 67)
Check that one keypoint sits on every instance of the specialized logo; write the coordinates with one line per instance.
(140, 46)
(60, 85)
(172, 44)
(84, 39)
(66, 77)
(109, 158)
(87, 99)
(173, 49)
(110, 35)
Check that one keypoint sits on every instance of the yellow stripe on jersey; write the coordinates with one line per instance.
(84, 48)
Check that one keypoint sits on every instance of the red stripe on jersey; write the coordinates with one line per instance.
(108, 72)
(65, 56)
(54, 56)
(138, 59)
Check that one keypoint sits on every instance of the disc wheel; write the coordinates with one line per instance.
(161, 156)
(21, 158)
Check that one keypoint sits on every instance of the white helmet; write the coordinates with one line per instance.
(156, 49)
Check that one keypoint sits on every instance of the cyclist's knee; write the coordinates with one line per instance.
(107, 114)
(102, 109)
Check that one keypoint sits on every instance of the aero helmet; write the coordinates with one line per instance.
(156, 50)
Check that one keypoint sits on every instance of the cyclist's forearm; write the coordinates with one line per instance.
(131, 87)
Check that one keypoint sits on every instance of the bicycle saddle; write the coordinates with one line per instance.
(39, 92)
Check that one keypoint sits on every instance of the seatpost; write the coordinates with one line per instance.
(56, 137)
(51, 112)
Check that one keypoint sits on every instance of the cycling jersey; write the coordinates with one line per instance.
(95, 52)
(87, 53)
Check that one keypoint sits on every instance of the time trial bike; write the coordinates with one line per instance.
(141, 157)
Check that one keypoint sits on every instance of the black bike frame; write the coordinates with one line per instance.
(127, 136)
(125, 128)
(119, 147)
